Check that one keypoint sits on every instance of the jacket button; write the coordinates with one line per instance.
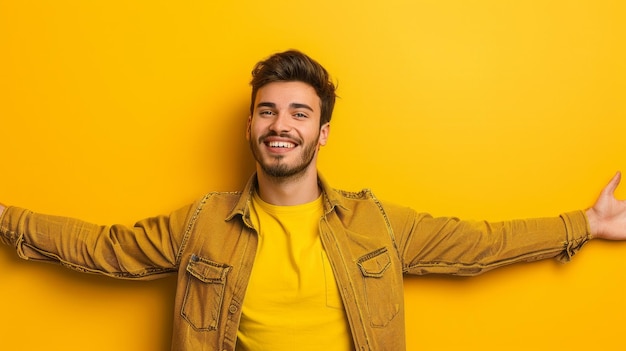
(232, 309)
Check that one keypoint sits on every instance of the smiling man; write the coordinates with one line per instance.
(289, 262)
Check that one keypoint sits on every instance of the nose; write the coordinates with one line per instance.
(281, 123)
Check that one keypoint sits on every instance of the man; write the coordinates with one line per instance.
(290, 262)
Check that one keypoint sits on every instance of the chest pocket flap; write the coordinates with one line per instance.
(375, 263)
(207, 271)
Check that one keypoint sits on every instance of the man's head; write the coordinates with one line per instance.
(292, 103)
(294, 66)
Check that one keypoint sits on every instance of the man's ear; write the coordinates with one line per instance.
(248, 126)
(324, 131)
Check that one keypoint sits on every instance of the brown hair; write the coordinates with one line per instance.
(290, 66)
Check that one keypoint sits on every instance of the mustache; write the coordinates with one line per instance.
(287, 136)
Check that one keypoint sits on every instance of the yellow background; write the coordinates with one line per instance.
(115, 110)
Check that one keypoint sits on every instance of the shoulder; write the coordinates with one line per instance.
(217, 198)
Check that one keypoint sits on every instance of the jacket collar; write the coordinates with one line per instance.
(331, 198)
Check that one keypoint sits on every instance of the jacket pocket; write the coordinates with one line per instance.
(204, 295)
(381, 287)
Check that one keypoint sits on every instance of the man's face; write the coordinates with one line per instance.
(284, 130)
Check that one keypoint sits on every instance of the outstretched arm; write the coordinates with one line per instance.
(607, 217)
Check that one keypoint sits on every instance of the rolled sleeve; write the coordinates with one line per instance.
(577, 234)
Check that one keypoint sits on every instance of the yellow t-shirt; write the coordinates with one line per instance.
(292, 301)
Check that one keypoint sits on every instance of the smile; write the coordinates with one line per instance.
(281, 144)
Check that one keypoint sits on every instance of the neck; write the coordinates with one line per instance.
(299, 189)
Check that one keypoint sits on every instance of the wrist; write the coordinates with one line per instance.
(593, 222)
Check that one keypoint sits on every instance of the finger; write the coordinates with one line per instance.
(613, 183)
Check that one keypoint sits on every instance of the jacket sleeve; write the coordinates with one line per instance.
(147, 250)
(448, 245)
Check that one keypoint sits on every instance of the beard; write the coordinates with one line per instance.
(275, 167)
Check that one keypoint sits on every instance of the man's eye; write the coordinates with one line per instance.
(300, 115)
(266, 113)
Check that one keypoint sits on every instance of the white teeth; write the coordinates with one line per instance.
(282, 144)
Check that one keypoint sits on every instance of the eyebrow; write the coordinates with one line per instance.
(295, 105)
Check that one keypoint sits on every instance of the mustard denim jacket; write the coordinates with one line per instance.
(211, 244)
